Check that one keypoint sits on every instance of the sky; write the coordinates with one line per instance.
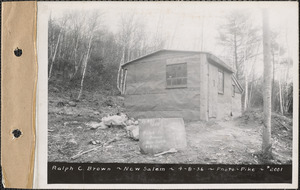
(184, 23)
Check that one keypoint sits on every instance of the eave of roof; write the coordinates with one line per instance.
(158, 51)
(218, 62)
(211, 58)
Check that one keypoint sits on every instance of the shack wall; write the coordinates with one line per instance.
(213, 91)
(236, 105)
(146, 93)
(225, 99)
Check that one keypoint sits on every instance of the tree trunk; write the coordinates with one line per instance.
(85, 65)
(236, 57)
(246, 73)
(246, 92)
(273, 81)
(75, 57)
(280, 96)
(266, 137)
(54, 55)
(250, 95)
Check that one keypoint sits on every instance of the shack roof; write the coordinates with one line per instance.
(210, 57)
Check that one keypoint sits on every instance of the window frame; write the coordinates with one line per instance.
(223, 81)
(184, 78)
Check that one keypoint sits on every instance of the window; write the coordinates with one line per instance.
(176, 75)
(233, 90)
(221, 82)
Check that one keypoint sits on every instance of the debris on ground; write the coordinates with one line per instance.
(102, 145)
(238, 140)
(108, 102)
(70, 122)
(60, 104)
(72, 104)
(133, 132)
(69, 147)
(96, 113)
(114, 120)
(172, 150)
(131, 121)
(92, 142)
(96, 125)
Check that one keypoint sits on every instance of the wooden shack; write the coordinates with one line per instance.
(189, 84)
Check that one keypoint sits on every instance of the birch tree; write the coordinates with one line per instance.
(92, 28)
(63, 23)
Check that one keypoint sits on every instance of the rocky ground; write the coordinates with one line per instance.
(231, 141)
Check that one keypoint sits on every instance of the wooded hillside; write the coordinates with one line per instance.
(84, 54)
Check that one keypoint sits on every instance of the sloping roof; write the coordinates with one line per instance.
(210, 57)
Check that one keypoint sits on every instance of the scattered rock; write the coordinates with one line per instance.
(102, 126)
(69, 111)
(79, 127)
(115, 120)
(72, 142)
(108, 102)
(60, 104)
(93, 142)
(95, 125)
(72, 104)
(98, 142)
(133, 132)
(96, 113)
(252, 151)
(129, 122)
(60, 113)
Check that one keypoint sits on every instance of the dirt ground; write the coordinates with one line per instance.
(230, 141)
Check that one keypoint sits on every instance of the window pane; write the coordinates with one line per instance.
(176, 75)
(179, 81)
(168, 70)
(169, 82)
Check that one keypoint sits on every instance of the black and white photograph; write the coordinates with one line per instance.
(172, 84)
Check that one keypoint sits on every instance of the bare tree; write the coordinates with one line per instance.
(92, 28)
(266, 141)
(240, 38)
(63, 23)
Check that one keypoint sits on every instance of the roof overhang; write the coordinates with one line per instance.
(218, 62)
(210, 58)
(159, 51)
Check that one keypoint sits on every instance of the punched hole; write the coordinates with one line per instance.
(18, 52)
(17, 133)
